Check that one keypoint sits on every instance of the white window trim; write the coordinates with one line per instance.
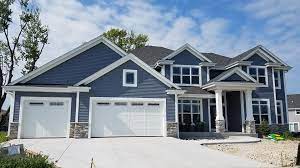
(293, 126)
(296, 111)
(187, 66)
(180, 111)
(257, 76)
(281, 106)
(279, 79)
(224, 104)
(269, 109)
(125, 71)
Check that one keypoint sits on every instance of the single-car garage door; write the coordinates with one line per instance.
(45, 117)
(127, 117)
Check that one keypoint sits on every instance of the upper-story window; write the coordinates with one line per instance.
(185, 75)
(277, 79)
(259, 73)
(129, 78)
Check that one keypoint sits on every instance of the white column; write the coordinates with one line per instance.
(77, 108)
(219, 106)
(249, 110)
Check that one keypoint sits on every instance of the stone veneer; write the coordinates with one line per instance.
(14, 130)
(72, 129)
(172, 129)
(250, 127)
(81, 130)
(220, 126)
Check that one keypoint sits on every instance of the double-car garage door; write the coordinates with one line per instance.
(50, 117)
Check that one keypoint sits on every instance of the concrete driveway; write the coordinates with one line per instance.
(133, 152)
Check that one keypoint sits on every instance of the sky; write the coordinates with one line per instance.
(221, 26)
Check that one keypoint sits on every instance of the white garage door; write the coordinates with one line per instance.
(127, 117)
(45, 117)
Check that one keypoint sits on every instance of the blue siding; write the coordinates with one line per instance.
(214, 73)
(186, 58)
(79, 67)
(234, 78)
(42, 94)
(168, 72)
(204, 75)
(110, 85)
(257, 60)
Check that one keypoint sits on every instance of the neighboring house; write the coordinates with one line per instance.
(98, 90)
(294, 112)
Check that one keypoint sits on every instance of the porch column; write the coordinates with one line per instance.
(220, 123)
(249, 123)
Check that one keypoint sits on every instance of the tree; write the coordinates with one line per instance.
(27, 43)
(126, 40)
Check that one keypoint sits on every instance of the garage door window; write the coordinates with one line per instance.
(129, 78)
(103, 103)
(137, 104)
(120, 103)
(36, 103)
(56, 103)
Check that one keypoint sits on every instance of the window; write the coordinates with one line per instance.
(277, 79)
(294, 126)
(279, 112)
(189, 111)
(56, 103)
(186, 75)
(129, 78)
(259, 74)
(260, 110)
(297, 112)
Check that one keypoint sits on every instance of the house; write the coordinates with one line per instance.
(294, 112)
(98, 90)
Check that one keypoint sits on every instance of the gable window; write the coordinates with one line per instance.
(279, 112)
(277, 79)
(189, 111)
(294, 126)
(259, 73)
(129, 78)
(261, 110)
(186, 75)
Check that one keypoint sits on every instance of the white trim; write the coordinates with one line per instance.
(281, 106)
(257, 75)
(279, 78)
(209, 117)
(204, 96)
(294, 127)
(122, 61)
(200, 103)
(134, 84)
(238, 63)
(189, 48)
(24, 98)
(207, 75)
(175, 91)
(92, 99)
(269, 108)
(242, 109)
(77, 107)
(163, 70)
(11, 113)
(274, 94)
(181, 75)
(69, 89)
(239, 72)
(225, 112)
(285, 97)
(69, 55)
(273, 55)
(261, 53)
(176, 108)
(232, 86)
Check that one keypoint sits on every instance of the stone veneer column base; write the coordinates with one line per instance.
(250, 127)
(14, 130)
(220, 126)
(81, 130)
(172, 129)
(72, 129)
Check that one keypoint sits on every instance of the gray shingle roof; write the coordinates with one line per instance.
(220, 60)
(293, 101)
(242, 55)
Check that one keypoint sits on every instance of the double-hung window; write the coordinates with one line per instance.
(277, 79)
(186, 75)
(294, 126)
(129, 78)
(259, 73)
(279, 112)
(261, 110)
(189, 111)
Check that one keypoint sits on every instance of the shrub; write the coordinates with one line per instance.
(26, 161)
(288, 135)
(3, 137)
(263, 128)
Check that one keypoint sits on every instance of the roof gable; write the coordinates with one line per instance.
(67, 56)
(234, 75)
(189, 48)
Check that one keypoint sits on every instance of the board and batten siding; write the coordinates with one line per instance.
(280, 95)
(78, 67)
(111, 85)
(43, 94)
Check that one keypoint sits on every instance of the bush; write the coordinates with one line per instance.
(264, 128)
(3, 137)
(287, 135)
(26, 161)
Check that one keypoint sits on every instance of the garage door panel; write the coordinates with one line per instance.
(127, 118)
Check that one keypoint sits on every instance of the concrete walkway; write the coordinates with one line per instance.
(133, 152)
(230, 140)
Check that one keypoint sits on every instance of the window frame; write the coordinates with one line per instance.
(134, 84)
(259, 109)
(180, 111)
(292, 123)
(281, 107)
(278, 78)
(257, 74)
(190, 74)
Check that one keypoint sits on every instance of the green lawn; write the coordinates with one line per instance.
(3, 137)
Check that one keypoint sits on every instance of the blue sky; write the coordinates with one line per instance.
(220, 26)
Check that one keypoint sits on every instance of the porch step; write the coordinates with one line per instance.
(212, 135)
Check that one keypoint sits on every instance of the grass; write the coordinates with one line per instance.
(3, 137)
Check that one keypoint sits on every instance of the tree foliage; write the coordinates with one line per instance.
(126, 40)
